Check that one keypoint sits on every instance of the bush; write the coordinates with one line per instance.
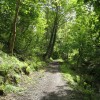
(55, 55)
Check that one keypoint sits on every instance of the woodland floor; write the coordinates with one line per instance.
(48, 85)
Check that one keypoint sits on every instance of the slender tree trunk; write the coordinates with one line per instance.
(53, 36)
(49, 46)
(13, 36)
(53, 43)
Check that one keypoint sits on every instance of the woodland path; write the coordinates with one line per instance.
(50, 86)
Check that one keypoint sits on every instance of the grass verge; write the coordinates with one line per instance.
(76, 82)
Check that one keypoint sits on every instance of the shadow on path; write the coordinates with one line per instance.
(57, 96)
(54, 67)
(62, 95)
(63, 92)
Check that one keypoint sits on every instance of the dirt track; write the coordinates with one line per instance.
(50, 86)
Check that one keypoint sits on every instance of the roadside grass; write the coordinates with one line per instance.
(12, 69)
(69, 75)
(76, 82)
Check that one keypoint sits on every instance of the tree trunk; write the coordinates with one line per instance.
(53, 37)
(53, 43)
(13, 36)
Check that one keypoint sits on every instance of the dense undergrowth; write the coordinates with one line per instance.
(78, 83)
(12, 69)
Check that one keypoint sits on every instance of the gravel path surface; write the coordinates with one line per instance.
(50, 86)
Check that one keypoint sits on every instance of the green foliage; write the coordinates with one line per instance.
(35, 64)
(1, 46)
(69, 75)
(8, 88)
(77, 38)
(9, 62)
(78, 83)
(10, 72)
(55, 55)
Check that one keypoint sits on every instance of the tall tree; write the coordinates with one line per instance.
(53, 33)
(13, 36)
